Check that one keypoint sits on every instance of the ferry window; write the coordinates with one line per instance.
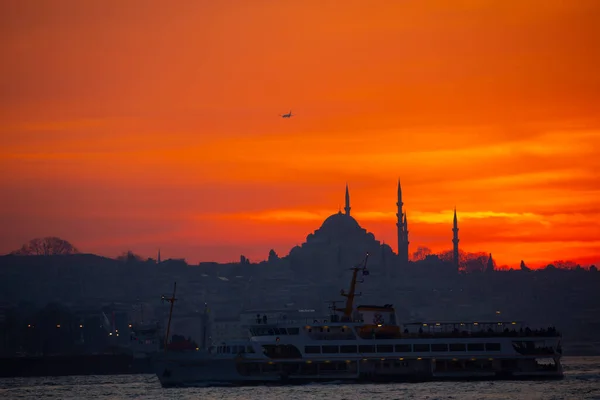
(475, 346)
(227, 349)
(347, 349)
(420, 347)
(312, 349)
(293, 331)
(249, 349)
(439, 347)
(403, 348)
(366, 349)
(492, 346)
(458, 347)
(385, 348)
(280, 331)
(330, 349)
(271, 332)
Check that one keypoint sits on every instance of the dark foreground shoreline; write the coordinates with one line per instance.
(65, 365)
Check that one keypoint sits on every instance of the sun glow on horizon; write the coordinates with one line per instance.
(490, 108)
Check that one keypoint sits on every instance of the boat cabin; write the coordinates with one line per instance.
(379, 321)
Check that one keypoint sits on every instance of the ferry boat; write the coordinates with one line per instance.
(207, 365)
(368, 344)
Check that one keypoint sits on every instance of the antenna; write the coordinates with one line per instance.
(332, 305)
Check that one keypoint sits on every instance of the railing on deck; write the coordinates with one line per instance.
(426, 330)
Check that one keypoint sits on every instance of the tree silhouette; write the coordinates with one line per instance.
(130, 257)
(273, 256)
(561, 264)
(467, 262)
(47, 246)
(421, 253)
(475, 262)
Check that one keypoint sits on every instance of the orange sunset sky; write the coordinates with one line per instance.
(139, 124)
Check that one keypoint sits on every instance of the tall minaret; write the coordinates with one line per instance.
(347, 208)
(455, 241)
(402, 229)
(406, 242)
(158, 259)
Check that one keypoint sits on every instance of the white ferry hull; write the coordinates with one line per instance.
(230, 372)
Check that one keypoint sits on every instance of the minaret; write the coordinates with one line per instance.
(490, 264)
(402, 229)
(347, 208)
(406, 242)
(455, 241)
(158, 259)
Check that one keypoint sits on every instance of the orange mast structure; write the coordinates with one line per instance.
(347, 310)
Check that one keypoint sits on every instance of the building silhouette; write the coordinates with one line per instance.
(341, 240)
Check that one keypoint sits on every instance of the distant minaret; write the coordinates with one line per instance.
(158, 258)
(402, 226)
(347, 208)
(455, 241)
(490, 264)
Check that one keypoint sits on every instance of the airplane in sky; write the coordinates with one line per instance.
(288, 115)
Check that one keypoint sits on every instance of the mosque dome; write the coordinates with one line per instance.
(338, 222)
(338, 228)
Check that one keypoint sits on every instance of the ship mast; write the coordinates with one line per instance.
(347, 310)
(205, 327)
(172, 301)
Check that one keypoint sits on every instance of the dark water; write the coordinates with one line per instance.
(582, 381)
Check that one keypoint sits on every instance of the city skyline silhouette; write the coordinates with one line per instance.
(344, 223)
